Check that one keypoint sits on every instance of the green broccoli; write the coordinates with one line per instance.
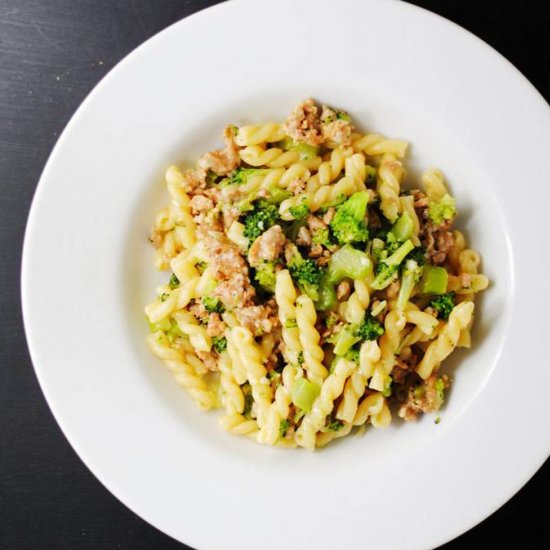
(352, 354)
(306, 273)
(403, 228)
(265, 276)
(259, 219)
(386, 392)
(283, 427)
(277, 194)
(370, 178)
(174, 282)
(443, 304)
(322, 237)
(440, 389)
(219, 343)
(348, 224)
(441, 210)
(299, 212)
(344, 339)
(348, 262)
(304, 150)
(418, 255)
(212, 304)
(335, 425)
(369, 329)
(409, 277)
(387, 268)
(241, 175)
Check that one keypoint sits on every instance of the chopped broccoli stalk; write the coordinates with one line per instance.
(265, 276)
(283, 427)
(259, 219)
(444, 304)
(387, 268)
(219, 343)
(241, 175)
(348, 224)
(305, 151)
(410, 276)
(163, 297)
(306, 273)
(342, 115)
(174, 282)
(163, 325)
(348, 262)
(322, 237)
(304, 393)
(291, 323)
(212, 304)
(441, 210)
(345, 339)
(277, 194)
(335, 425)
(299, 212)
(327, 295)
(174, 331)
(434, 280)
(369, 329)
(403, 228)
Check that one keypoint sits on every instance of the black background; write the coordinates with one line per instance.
(52, 52)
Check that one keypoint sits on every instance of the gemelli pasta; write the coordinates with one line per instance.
(311, 292)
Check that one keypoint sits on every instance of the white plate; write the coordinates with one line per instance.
(87, 271)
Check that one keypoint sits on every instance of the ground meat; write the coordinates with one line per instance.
(437, 239)
(200, 203)
(224, 257)
(296, 186)
(403, 368)
(209, 359)
(199, 311)
(329, 214)
(222, 161)
(267, 247)
(343, 290)
(335, 130)
(324, 259)
(215, 327)
(236, 292)
(194, 180)
(230, 214)
(304, 237)
(422, 398)
(258, 319)
(304, 124)
(315, 251)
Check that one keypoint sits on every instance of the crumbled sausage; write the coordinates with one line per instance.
(258, 319)
(304, 237)
(200, 203)
(343, 290)
(334, 129)
(222, 161)
(235, 292)
(267, 247)
(215, 327)
(304, 124)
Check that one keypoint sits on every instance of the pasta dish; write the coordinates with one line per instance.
(310, 290)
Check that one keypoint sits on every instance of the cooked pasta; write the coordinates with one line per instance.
(311, 293)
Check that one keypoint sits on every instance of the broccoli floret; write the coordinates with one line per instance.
(306, 273)
(443, 304)
(163, 297)
(259, 219)
(369, 329)
(370, 178)
(241, 175)
(352, 354)
(418, 255)
(387, 268)
(265, 276)
(335, 425)
(300, 212)
(174, 282)
(344, 339)
(283, 427)
(219, 343)
(211, 177)
(348, 224)
(410, 276)
(322, 237)
(441, 210)
(440, 389)
(386, 392)
(212, 304)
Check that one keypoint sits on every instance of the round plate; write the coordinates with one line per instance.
(88, 271)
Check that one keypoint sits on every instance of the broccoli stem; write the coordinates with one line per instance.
(434, 280)
(403, 228)
(348, 262)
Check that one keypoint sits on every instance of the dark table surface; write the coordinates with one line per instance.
(52, 53)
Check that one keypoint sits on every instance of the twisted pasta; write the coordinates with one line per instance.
(309, 338)
(390, 175)
(285, 295)
(374, 144)
(447, 340)
(331, 389)
(254, 135)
